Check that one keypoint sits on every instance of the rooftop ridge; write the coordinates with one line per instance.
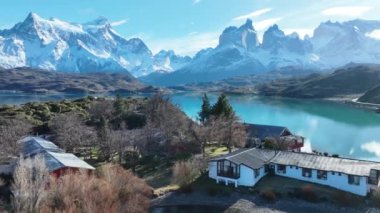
(345, 158)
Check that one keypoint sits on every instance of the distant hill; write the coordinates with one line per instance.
(372, 96)
(248, 83)
(351, 80)
(41, 81)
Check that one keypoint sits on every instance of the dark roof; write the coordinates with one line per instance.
(264, 131)
(256, 158)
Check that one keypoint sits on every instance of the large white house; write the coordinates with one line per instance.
(246, 167)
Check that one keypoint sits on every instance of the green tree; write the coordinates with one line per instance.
(205, 112)
(119, 105)
(222, 107)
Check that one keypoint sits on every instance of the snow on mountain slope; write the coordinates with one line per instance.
(240, 53)
(91, 47)
(340, 43)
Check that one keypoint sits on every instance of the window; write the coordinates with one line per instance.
(257, 172)
(306, 172)
(340, 174)
(322, 175)
(266, 168)
(291, 167)
(296, 167)
(353, 180)
(281, 168)
(228, 169)
(333, 173)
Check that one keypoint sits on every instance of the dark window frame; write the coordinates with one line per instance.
(233, 169)
(321, 175)
(307, 172)
(353, 180)
(281, 168)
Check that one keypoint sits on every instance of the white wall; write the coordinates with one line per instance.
(247, 176)
(212, 169)
(336, 181)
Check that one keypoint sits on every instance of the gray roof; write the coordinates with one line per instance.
(253, 158)
(264, 131)
(256, 158)
(312, 161)
(55, 161)
(35, 145)
(54, 157)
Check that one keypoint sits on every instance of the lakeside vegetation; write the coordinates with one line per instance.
(147, 142)
(144, 135)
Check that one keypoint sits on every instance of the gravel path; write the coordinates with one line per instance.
(250, 203)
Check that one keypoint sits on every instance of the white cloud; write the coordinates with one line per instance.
(264, 24)
(349, 11)
(372, 147)
(253, 14)
(118, 23)
(374, 34)
(186, 45)
(302, 32)
(196, 1)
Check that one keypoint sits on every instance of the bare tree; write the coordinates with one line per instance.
(202, 134)
(11, 131)
(100, 109)
(228, 131)
(30, 180)
(169, 122)
(72, 132)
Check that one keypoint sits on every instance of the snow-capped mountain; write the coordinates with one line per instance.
(94, 46)
(90, 47)
(337, 44)
(167, 61)
(239, 52)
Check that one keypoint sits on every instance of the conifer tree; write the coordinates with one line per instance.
(222, 107)
(205, 112)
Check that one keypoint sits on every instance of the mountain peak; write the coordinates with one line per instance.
(99, 21)
(245, 36)
(247, 25)
(32, 18)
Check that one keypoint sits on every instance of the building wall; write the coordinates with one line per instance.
(247, 175)
(333, 180)
(247, 178)
(212, 169)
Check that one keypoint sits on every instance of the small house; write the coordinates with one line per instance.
(257, 134)
(57, 161)
(245, 167)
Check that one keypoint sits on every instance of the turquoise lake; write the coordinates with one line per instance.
(328, 127)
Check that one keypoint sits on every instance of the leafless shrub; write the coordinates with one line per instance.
(185, 172)
(113, 190)
(128, 187)
(79, 192)
(30, 179)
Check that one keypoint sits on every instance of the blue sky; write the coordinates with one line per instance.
(190, 25)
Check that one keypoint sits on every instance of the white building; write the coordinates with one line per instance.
(246, 167)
